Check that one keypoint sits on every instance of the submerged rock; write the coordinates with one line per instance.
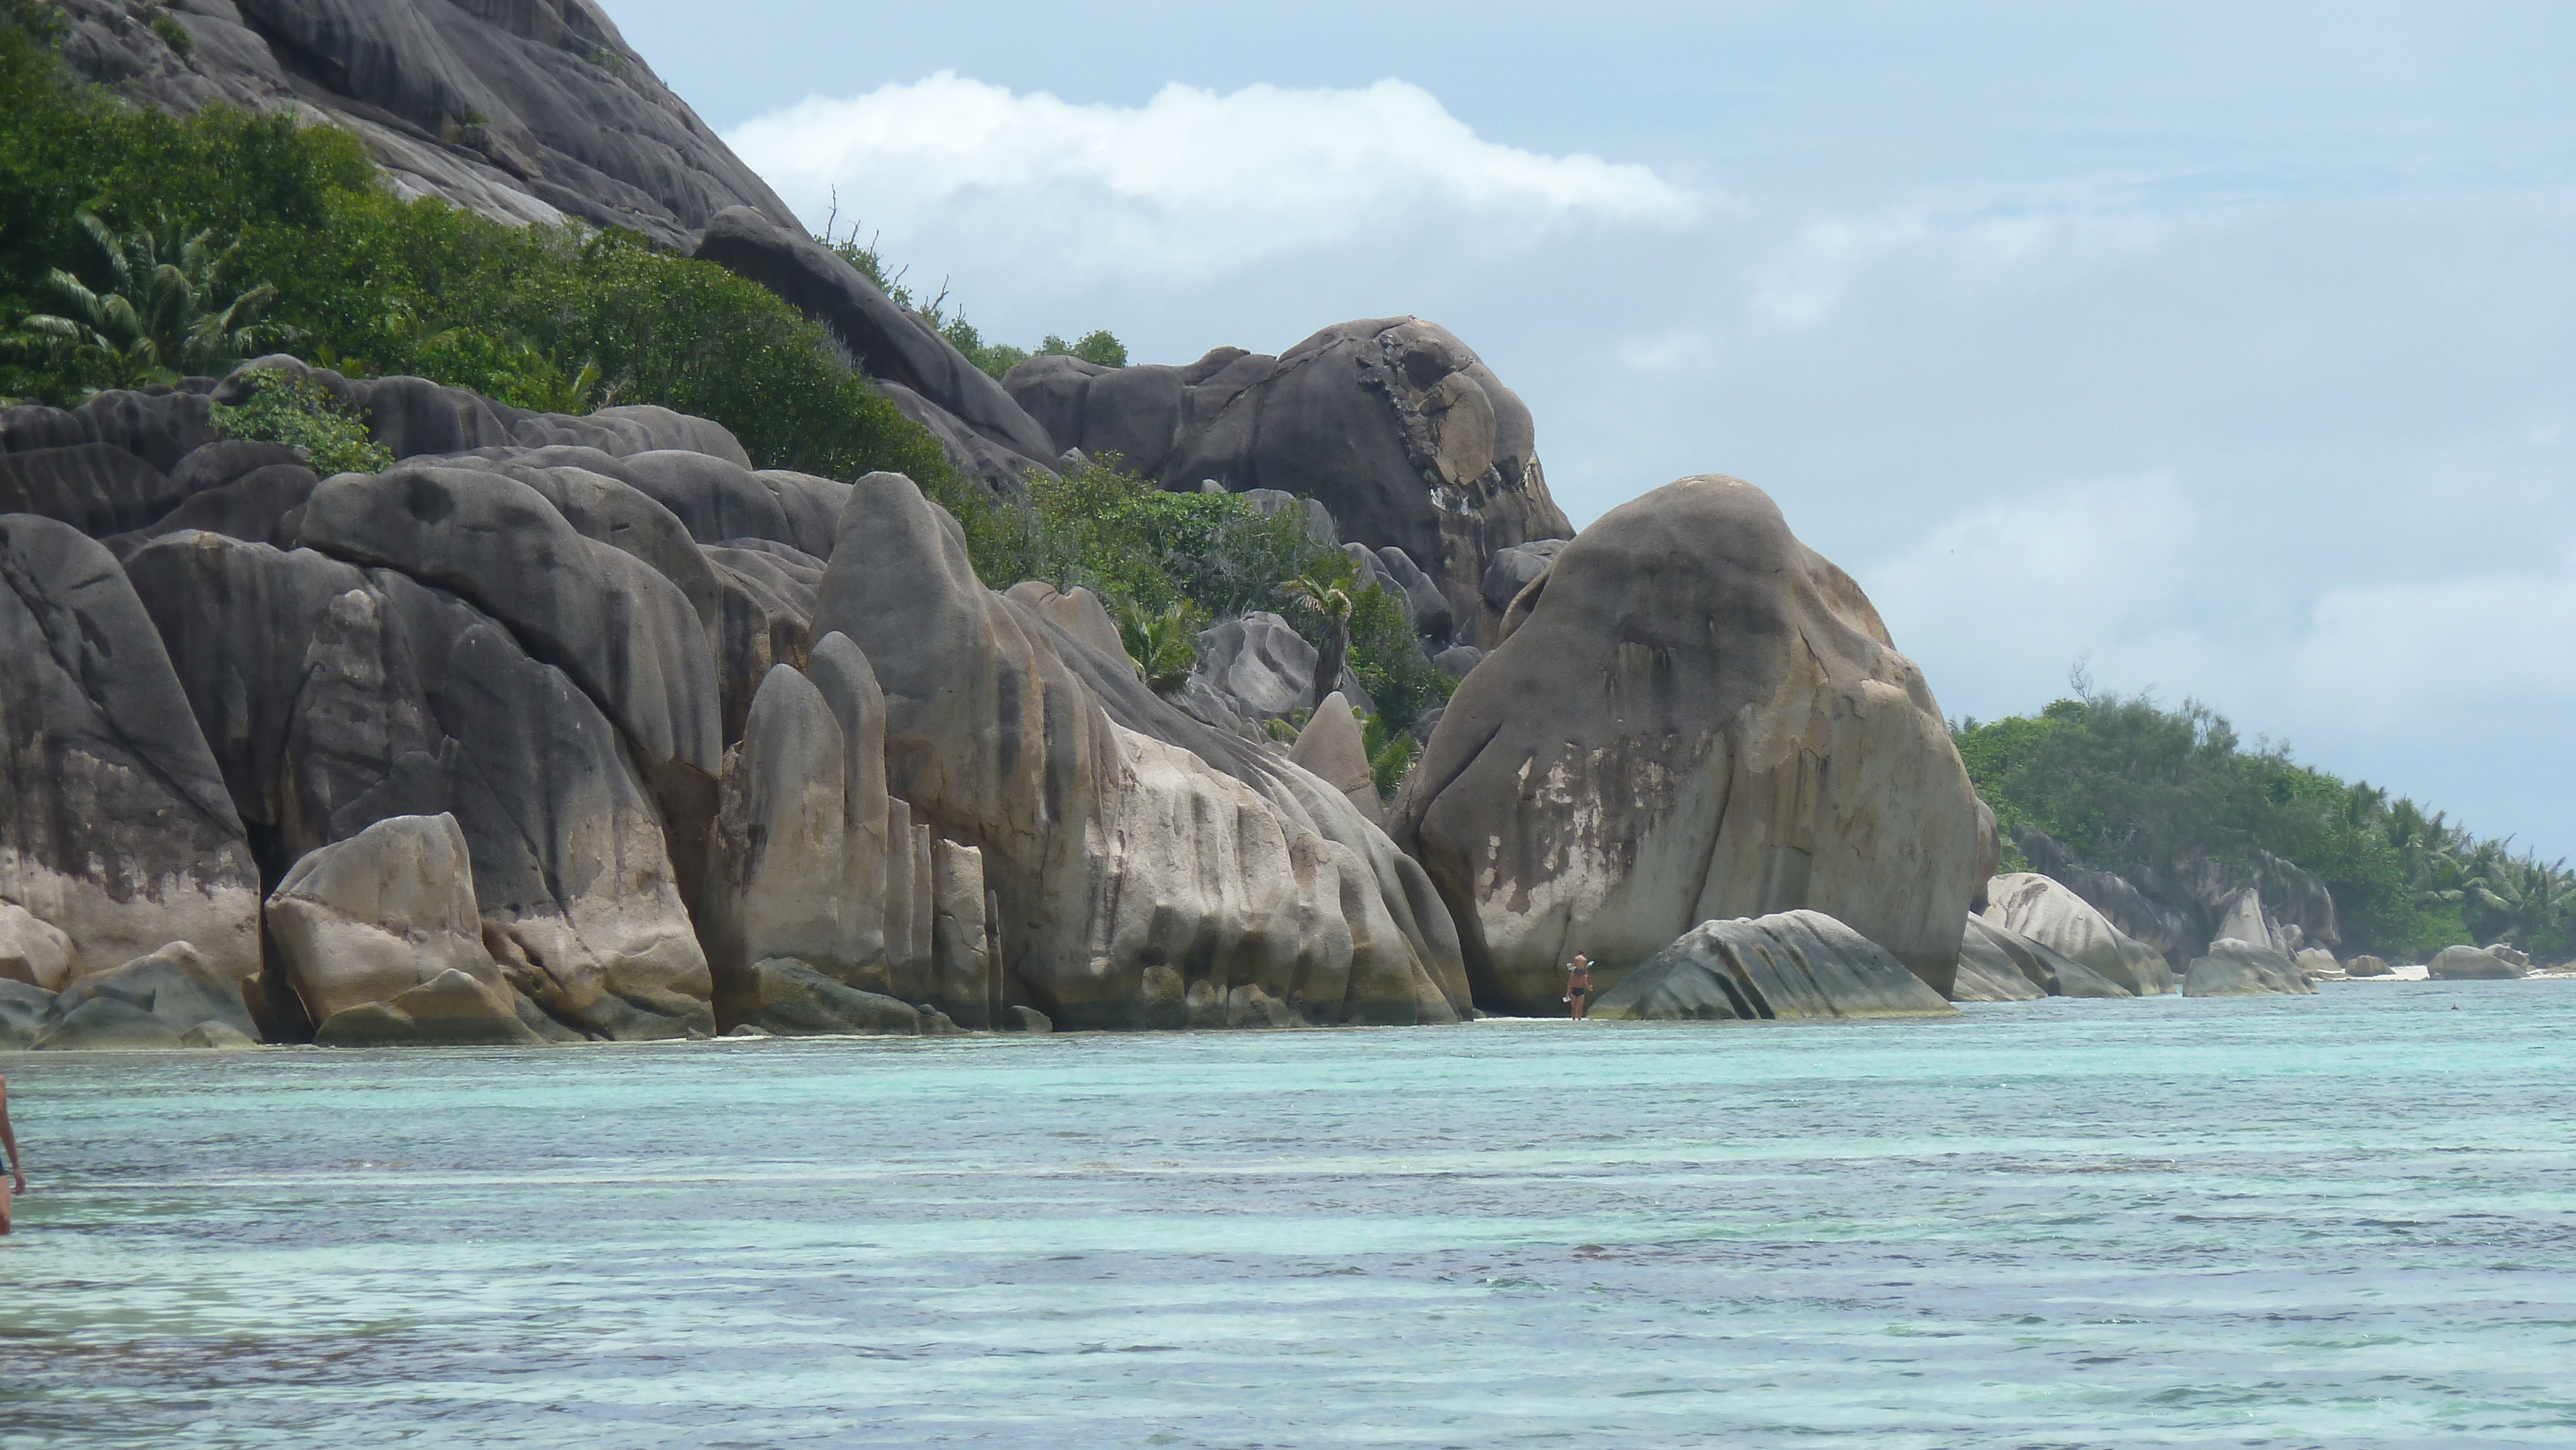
(148, 1002)
(1796, 964)
(1698, 719)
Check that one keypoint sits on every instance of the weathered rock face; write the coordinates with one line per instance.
(1146, 869)
(341, 697)
(1393, 424)
(1986, 977)
(1700, 719)
(152, 1001)
(2472, 964)
(981, 427)
(1332, 747)
(34, 951)
(2047, 912)
(2235, 968)
(1795, 964)
(2368, 966)
(525, 112)
(412, 417)
(2315, 962)
(115, 829)
(362, 922)
(1998, 951)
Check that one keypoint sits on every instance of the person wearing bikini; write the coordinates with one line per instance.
(1578, 984)
(14, 1180)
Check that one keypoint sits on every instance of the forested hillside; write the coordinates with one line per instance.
(2153, 793)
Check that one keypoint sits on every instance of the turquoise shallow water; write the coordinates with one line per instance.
(2346, 1220)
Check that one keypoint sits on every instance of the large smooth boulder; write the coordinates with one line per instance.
(1701, 719)
(1989, 975)
(2366, 965)
(115, 827)
(34, 951)
(340, 697)
(2472, 964)
(148, 1002)
(2233, 968)
(2315, 962)
(1392, 423)
(2047, 912)
(1999, 950)
(365, 920)
(1795, 964)
(1134, 854)
(1253, 667)
(1332, 747)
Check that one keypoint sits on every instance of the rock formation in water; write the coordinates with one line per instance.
(2233, 968)
(2472, 964)
(1993, 957)
(1393, 424)
(1691, 717)
(2050, 914)
(525, 112)
(566, 728)
(1795, 964)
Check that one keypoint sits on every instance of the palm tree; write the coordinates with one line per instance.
(162, 311)
(1332, 604)
(1162, 647)
(2523, 898)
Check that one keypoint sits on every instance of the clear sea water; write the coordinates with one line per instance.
(2346, 1220)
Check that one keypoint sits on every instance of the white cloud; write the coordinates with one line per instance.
(1191, 180)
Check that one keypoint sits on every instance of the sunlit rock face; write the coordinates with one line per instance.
(1690, 716)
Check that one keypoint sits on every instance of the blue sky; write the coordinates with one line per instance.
(2230, 349)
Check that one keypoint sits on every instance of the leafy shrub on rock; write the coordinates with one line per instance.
(301, 413)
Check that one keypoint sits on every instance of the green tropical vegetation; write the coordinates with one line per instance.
(1166, 565)
(2141, 789)
(300, 413)
(135, 246)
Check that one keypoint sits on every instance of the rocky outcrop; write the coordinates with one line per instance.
(980, 426)
(2049, 913)
(2472, 964)
(526, 112)
(2367, 966)
(155, 1000)
(1796, 964)
(1393, 424)
(340, 697)
(34, 951)
(785, 997)
(1254, 667)
(1147, 870)
(1332, 747)
(1998, 951)
(2235, 968)
(1700, 719)
(361, 925)
(115, 828)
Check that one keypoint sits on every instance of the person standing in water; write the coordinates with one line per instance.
(15, 1178)
(1578, 984)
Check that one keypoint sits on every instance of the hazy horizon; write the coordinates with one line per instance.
(2232, 353)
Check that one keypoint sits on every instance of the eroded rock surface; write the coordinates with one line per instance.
(2235, 968)
(361, 923)
(2047, 912)
(1790, 965)
(2472, 964)
(1144, 866)
(1998, 951)
(115, 827)
(1700, 719)
(1393, 424)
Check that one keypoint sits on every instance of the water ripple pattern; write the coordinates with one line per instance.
(2337, 1221)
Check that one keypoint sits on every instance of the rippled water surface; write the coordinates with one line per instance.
(2347, 1220)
